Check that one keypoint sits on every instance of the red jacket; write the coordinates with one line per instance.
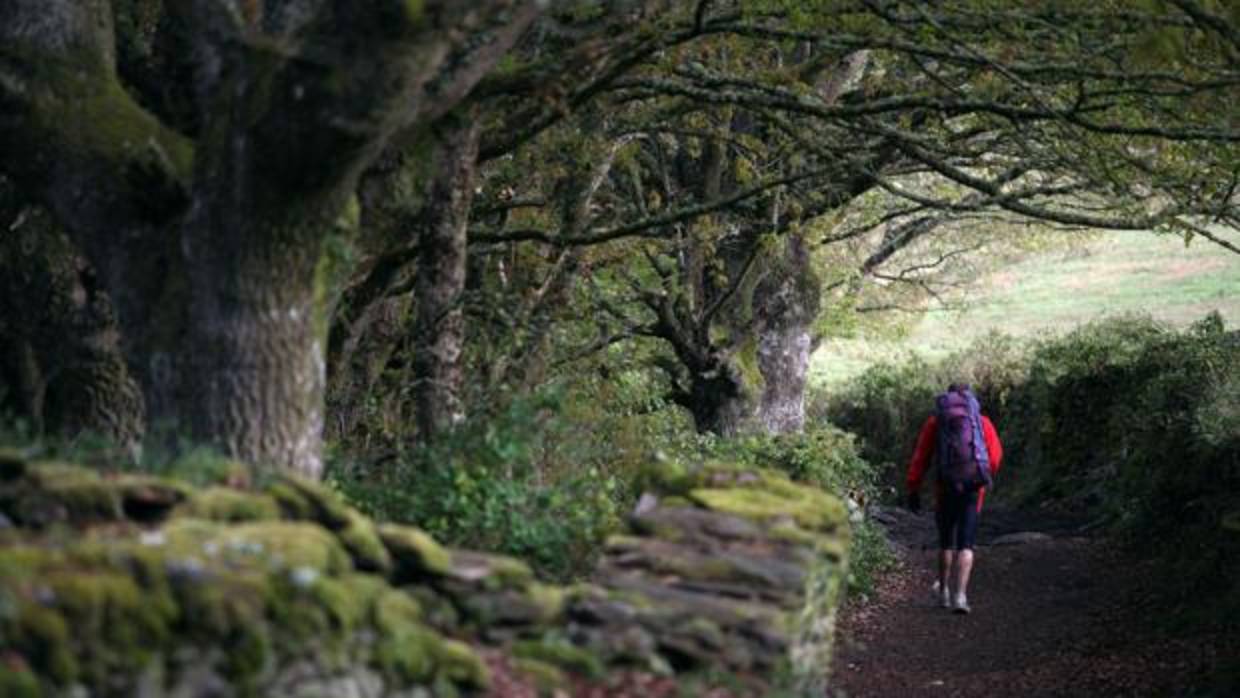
(924, 453)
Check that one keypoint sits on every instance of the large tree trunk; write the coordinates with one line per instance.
(62, 355)
(255, 358)
(113, 177)
(439, 326)
(786, 304)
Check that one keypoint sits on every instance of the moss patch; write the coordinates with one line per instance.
(258, 544)
(775, 500)
(43, 493)
(361, 539)
(562, 654)
(307, 501)
(251, 597)
(458, 663)
(414, 553)
(51, 492)
(547, 678)
(230, 505)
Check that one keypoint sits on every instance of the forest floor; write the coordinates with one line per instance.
(1056, 612)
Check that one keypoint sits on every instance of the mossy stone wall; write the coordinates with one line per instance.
(133, 585)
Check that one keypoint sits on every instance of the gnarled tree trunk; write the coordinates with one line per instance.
(61, 367)
(439, 326)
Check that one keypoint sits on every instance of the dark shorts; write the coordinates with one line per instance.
(957, 520)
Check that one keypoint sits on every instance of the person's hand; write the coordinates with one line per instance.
(914, 502)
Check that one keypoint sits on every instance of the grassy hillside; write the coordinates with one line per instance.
(1119, 273)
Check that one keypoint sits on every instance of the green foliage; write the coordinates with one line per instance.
(869, 558)
(824, 456)
(493, 484)
(885, 405)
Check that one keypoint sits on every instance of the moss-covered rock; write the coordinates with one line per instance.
(303, 500)
(725, 568)
(497, 596)
(772, 499)
(684, 522)
(492, 612)
(256, 600)
(229, 505)
(489, 572)
(261, 544)
(459, 664)
(415, 555)
(298, 500)
(756, 570)
(392, 610)
(561, 654)
(361, 539)
(50, 492)
(39, 494)
(437, 609)
(290, 591)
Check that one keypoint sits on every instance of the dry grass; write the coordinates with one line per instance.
(1052, 292)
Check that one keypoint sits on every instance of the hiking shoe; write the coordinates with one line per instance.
(960, 604)
(942, 594)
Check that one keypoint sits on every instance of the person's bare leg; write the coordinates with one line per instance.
(964, 568)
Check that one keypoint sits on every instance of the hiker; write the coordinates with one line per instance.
(964, 447)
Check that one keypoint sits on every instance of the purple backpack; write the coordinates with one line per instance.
(961, 458)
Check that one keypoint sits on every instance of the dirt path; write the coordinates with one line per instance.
(1059, 615)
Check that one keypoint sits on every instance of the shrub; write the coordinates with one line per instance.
(869, 558)
(494, 485)
(883, 407)
(825, 456)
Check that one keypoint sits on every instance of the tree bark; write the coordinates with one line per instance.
(290, 116)
(439, 326)
(111, 174)
(256, 364)
(63, 352)
(786, 304)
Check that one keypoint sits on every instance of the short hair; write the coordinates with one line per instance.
(959, 388)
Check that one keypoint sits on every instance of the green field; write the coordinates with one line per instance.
(1119, 273)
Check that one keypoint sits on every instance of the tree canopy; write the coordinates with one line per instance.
(240, 219)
